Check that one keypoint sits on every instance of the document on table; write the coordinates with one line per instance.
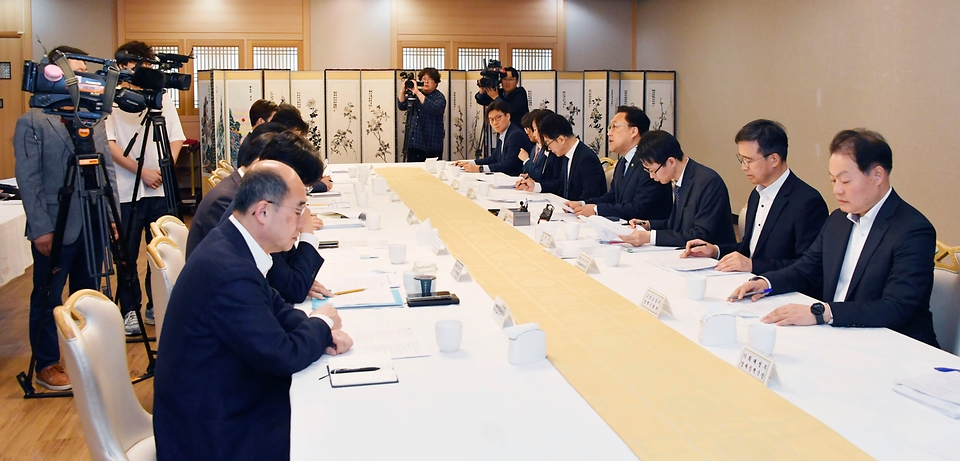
(398, 342)
(607, 229)
(362, 280)
(941, 385)
(684, 264)
(342, 223)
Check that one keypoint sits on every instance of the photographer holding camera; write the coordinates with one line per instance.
(424, 133)
(506, 90)
(121, 128)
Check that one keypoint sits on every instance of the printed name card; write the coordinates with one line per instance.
(501, 314)
(586, 263)
(758, 365)
(455, 184)
(546, 240)
(506, 215)
(458, 271)
(442, 176)
(412, 218)
(438, 247)
(655, 303)
(472, 193)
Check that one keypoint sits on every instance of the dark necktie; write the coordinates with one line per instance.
(563, 175)
(676, 200)
(623, 163)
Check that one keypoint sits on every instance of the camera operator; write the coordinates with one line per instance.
(425, 132)
(510, 92)
(42, 148)
(121, 128)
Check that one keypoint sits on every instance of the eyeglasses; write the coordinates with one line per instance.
(654, 171)
(496, 119)
(298, 210)
(615, 125)
(747, 161)
(547, 145)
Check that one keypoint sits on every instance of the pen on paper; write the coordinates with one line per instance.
(746, 295)
(346, 292)
(945, 369)
(337, 371)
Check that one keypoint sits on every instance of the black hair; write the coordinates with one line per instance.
(657, 146)
(289, 116)
(867, 148)
(514, 72)
(500, 106)
(553, 126)
(432, 72)
(260, 185)
(66, 50)
(261, 109)
(527, 120)
(770, 136)
(635, 117)
(135, 48)
(291, 149)
(250, 149)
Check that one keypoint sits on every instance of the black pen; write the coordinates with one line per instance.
(337, 371)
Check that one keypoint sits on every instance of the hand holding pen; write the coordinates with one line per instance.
(754, 289)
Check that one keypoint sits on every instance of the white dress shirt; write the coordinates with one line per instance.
(767, 195)
(858, 236)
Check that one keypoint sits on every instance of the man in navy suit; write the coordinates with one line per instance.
(632, 194)
(505, 157)
(784, 214)
(701, 204)
(578, 174)
(873, 257)
(230, 342)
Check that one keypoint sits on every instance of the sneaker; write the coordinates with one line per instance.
(148, 317)
(130, 325)
(54, 378)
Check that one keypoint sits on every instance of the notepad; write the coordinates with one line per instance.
(343, 223)
(361, 370)
(373, 297)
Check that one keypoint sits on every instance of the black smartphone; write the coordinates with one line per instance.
(329, 244)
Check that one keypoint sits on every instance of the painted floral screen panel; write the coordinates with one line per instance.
(378, 110)
(307, 94)
(343, 108)
(570, 99)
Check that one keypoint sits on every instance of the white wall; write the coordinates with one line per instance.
(598, 34)
(349, 34)
(88, 25)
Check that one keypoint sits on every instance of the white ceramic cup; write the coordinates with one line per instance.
(611, 255)
(441, 165)
(455, 172)
(573, 230)
(373, 221)
(362, 199)
(696, 287)
(762, 337)
(411, 284)
(449, 335)
(352, 171)
(359, 187)
(484, 188)
(363, 176)
(398, 253)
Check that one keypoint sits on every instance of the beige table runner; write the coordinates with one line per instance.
(664, 395)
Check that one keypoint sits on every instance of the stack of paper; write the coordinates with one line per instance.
(361, 370)
(606, 229)
(937, 390)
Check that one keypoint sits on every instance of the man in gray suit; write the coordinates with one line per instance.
(42, 147)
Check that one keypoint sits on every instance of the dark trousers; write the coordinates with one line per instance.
(149, 209)
(417, 155)
(43, 330)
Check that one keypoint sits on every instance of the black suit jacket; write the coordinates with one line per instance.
(634, 195)
(536, 167)
(506, 157)
(702, 211)
(211, 208)
(892, 280)
(793, 223)
(586, 177)
(230, 345)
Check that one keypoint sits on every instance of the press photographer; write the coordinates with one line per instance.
(502, 84)
(424, 133)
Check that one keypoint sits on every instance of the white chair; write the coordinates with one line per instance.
(166, 261)
(945, 298)
(115, 425)
(609, 166)
(174, 228)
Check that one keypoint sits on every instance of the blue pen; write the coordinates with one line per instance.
(746, 295)
(945, 369)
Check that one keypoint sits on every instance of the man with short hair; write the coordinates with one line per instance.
(261, 111)
(534, 163)
(578, 175)
(701, 204)
(632, 194)
(425, 132)
(784, 214)
(289, 116)
(230, 342)
(510, 92)
(505, 157)
(873, 256)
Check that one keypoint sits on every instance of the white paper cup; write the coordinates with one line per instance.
(441, 165)
(484, 188)
(373, 221)
(611, 255)
(696, 287)
(363, 176)
(359, 187)
(398, 253)
(379, 186)
(455, 172)
(430, 164)
(352, 171)
(573, 230)
(762, 337)
(410, 283)
(449, 335)
(362, 199)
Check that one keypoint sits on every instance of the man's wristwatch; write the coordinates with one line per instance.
(817, 310)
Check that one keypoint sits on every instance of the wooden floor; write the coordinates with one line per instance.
(44, 429)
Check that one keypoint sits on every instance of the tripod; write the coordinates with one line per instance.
(155, 121)
(87, 176)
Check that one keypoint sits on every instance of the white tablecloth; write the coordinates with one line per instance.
(14, 246)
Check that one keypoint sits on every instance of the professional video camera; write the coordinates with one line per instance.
(491, 74)
(152, 81)
(410, 79)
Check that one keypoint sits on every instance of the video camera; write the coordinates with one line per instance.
(152, 81)
(491, 74)
(410, 80)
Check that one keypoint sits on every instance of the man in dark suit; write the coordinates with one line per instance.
(42, 148)
(505, 157)
(632, 194)
(784, 214)
(578, 174)
(701, 205)
(874, 255)
(230, 342)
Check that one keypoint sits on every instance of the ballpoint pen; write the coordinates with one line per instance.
(745, 295)
(337, 371)
(345, 292)
(945, 369)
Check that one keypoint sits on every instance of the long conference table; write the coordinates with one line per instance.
(618, 382)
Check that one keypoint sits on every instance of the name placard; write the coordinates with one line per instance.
(438, 247)
(472, 193)
(655, 302)
(412, 218)
(455, 184)
(506, 215)
(442, 176)
(459, 270)
(546, 240)
(758, 365)
(501, 314)
(586, 263)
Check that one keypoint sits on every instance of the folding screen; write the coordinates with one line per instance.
(595, 106)
(541, 89)
(660, 99)
(241, 89)
(377, 113)
(306, 89)
(276, 86)
(343, 121)
(457, 110)
(570, 99)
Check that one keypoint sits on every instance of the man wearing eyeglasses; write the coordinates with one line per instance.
(632, 194)
(784, 214)
(701, 204)
(425, 132)
(510, 92)
(578, 174)
(505, 157)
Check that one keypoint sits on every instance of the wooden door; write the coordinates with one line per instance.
(12, 98)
